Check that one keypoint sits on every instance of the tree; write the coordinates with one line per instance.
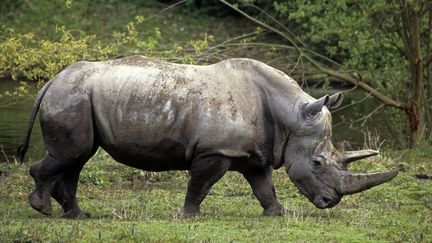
(382, 47)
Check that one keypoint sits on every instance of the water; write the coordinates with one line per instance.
(14, 119)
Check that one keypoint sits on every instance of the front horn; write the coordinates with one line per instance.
(353, 183)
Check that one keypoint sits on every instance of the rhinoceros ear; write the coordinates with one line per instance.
(335, 101)
(313, 108)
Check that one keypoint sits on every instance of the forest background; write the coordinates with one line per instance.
(378, 53)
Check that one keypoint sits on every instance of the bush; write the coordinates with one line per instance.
(25, 56)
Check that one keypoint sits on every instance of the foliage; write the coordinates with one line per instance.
(142, 206)
(27, 57)
(381, 47)
(31, 58)
(361, 35)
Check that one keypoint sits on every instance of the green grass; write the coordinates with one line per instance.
(130, 205)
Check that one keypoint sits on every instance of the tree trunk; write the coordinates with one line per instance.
(410, 33)
(414, 122)
(416, 113)
(428, 79)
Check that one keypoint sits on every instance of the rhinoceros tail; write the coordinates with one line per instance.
(22, 149)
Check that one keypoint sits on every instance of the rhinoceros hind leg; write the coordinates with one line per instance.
(204, 173)
(40, 198)
(35, 197)
(59, 179)
(69, 139)
(38, 203)
(64, 192)
(262, 186)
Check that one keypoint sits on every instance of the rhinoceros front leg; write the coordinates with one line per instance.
(262, 186)
(204, 172)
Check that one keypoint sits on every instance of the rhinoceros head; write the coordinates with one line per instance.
(313, 164)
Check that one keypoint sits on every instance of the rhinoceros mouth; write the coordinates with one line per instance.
(326, 201)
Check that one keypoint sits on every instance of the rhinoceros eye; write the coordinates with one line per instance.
(318, 160)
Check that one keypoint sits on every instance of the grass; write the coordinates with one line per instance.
(130, 205)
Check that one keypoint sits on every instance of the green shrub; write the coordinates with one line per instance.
(28, 57)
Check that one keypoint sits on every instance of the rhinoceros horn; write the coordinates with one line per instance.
(335, 101)
(353, 183)
(313, 108)
(350, 156)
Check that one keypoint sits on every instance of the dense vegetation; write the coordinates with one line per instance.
(372, 45)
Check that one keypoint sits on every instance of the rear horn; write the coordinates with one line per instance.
(351, 156)
(313, 108)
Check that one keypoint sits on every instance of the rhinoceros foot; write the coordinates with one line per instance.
(38, 198)
(76, 214)
(187, 213)
(38, 204)
(275, 210)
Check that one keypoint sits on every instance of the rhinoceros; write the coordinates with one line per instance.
(236, 115)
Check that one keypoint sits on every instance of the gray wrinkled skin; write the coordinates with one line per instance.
(238, 115)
